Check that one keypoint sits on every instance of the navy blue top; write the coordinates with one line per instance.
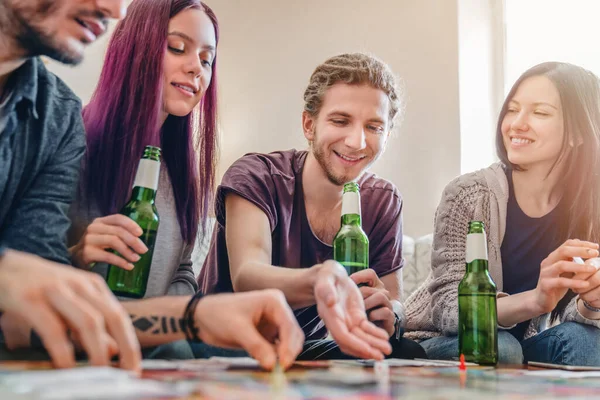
(527, 242)
(41, 146)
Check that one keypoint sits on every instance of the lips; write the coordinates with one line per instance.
(186, 87)
(95, 26)
(349, 159)
(520, 140)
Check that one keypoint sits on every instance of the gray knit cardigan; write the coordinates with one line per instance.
(432, 310)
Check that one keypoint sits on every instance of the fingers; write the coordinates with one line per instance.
(291, 337)
(114, 243)
(376, 300)
(564, 283)
(125, 237)
(53, 334)
(367, 291)
(256, 345)
(564, 267)
(352, 344)
(94, 254)
(122, 221)
(367, 276)
(594, 283)
(381, 314)
(572, 248)
(118, 324)
(84, 320)
(376, 338)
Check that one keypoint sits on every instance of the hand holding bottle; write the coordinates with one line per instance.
(378, 301)
(114, 232)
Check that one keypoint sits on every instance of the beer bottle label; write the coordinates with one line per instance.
(147, 174)
(351, 203)
(476, 247)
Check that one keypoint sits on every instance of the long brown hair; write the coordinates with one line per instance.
(579, 91)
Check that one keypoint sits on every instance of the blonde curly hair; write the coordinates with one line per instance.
(352, 69)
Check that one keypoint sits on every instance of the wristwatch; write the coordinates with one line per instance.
(398, 330)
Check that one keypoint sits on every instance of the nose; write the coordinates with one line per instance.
(356, 139)
(193, 65)
(115, 9)
(520, 123)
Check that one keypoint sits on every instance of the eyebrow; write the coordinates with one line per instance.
(189, 39)
(539, 103)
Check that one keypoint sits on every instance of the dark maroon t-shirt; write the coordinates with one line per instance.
(273, 182)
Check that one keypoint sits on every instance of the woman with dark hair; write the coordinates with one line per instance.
(160, 66)
(541, 208)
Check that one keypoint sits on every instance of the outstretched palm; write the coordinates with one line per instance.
(341, 307)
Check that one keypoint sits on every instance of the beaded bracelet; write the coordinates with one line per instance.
(590, 307)
(191, 331)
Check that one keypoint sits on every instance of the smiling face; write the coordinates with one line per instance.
(59, 29)
(350, 131)
(533, 127)
(187, 66)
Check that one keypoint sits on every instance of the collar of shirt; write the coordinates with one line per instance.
(24, 87)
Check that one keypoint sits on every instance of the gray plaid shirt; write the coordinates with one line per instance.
(41, 145)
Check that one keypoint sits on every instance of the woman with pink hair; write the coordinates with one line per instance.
(160, 66)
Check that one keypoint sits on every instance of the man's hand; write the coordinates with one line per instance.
(54, 299)
(378, 301)
(342, 309)
(261, 322)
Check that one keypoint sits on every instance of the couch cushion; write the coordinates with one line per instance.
(415, 272)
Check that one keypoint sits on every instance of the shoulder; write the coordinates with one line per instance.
(279, 163)
(53, 89)
(476, 184)
(373, 186)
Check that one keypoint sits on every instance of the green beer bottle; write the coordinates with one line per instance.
(351, 244)
(142, 210)
(477, 315)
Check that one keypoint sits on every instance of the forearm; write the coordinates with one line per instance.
(159, 320)
(297, 284)
(517, 308)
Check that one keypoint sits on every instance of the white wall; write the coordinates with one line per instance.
(269, 48)
(481, 71)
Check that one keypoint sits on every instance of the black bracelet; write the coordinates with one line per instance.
(590, 307)
(191, 330)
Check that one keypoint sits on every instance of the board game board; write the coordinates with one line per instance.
(205, 379)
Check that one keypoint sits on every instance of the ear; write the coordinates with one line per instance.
(575, 141)
(308, 126)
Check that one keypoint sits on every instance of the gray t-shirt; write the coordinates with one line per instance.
(273, 182)
(171, 271)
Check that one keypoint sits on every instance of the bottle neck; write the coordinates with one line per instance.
(143, 194)
(351, 219)
(477, 266)
(351, 208)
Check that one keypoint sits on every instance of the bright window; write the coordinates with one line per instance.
(550, 30)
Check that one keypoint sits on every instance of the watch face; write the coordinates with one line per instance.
(397, 328)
